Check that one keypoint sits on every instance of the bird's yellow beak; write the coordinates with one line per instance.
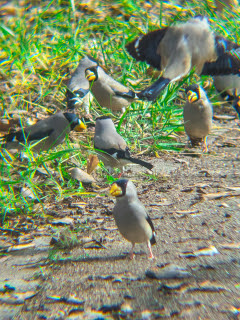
(238, 103)
(90, 75)
(115, 190)
(192, 96)
(80, 127)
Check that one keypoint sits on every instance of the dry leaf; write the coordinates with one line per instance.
(81, 175)
(92, 163)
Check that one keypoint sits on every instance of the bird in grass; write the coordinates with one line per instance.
(131, 216)
(108, 92)
(45, 134)
(78, 94)
(111, 148)
(175, 50)
(197, 115)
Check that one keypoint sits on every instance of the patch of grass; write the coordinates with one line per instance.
(42, 43)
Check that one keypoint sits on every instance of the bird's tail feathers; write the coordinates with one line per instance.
(153, 239)
(151, 93)
(141, 163)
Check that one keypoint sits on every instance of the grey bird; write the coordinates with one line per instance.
(131, 216)
(228, 85)
(78, 94)
(111, 148)
(44, 134)
(108, 92)
(177, 49)
(197, 114)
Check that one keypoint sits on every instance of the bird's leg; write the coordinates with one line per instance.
(131, 254)
(122, 171)
(151, 256)
(204, 144)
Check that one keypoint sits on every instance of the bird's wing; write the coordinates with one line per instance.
(227, 63)
(144, 48)
(116, 153)
(33, 135)
(223, 45)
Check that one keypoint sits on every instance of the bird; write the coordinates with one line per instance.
(197, 114)
(228, 86)
(175, 50)
(78, 94)
(131, 216)
(236, 105)
(45, 134)
(111, 148)
(108, 92)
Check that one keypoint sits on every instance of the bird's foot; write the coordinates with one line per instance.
(151, 256)
(131, 255)
(204, 145)
(120, 174)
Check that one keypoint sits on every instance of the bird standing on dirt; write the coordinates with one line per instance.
(177, 49)
(108, 92)
(45, 134)
(131, 216)
(197, 114)
(111, 148)
(78, 94)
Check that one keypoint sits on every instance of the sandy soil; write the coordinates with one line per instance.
(194, 203)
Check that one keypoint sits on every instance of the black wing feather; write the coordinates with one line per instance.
(226, 64)
(22, 136)
(223, 45)
(153, 239)
(145, 48)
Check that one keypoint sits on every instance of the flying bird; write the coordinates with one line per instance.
(131, 216)
(175, 50)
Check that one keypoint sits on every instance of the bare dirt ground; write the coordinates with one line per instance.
(194, 204)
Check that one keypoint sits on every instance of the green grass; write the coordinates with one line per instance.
(42, 44)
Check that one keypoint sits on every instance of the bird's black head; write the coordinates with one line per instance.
(118, 188)
(91, 74)
(75, 123)
(193, 93)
